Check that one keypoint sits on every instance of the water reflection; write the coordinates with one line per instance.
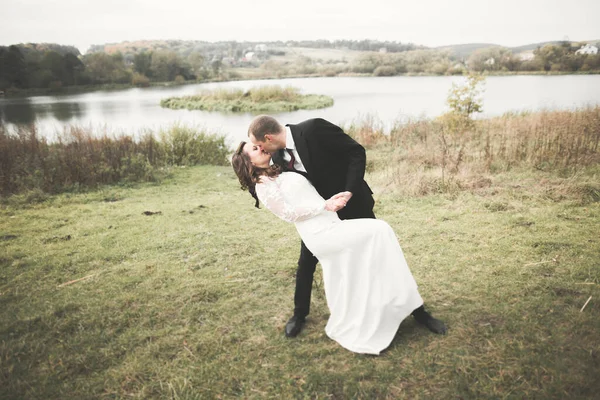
(25, 112)
(18, 113)
(65, 111)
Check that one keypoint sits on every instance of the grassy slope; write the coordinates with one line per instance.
(191, 303)
(326, 55)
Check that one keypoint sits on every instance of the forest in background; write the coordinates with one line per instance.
(142, 63)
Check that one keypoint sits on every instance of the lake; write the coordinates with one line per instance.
(133, 111)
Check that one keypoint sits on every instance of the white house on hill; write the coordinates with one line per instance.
(260, 47)
(587, 49)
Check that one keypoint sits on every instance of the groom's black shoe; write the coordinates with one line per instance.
(294, 326)
(433, 324)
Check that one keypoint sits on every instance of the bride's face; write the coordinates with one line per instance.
(258, 157)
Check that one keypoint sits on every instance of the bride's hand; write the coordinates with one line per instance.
(335, 203)
(343, 195)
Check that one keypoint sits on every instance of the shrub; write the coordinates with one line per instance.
(367, 131)
(330, 71)
(140, 80)
(187, 146)
(385, 70)
(464, 100)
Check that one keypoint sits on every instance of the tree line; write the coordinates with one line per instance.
(53, 67)
(561, 57)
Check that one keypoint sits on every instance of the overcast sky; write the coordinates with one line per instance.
(428, 22)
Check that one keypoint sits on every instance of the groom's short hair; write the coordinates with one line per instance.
(263, 125)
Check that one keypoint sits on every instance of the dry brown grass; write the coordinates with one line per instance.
(439, 155)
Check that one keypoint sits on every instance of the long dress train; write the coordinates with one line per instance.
(368, 285)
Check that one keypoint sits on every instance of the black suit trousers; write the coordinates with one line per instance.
(307, 264)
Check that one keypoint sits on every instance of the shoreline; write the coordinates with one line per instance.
(16, 93)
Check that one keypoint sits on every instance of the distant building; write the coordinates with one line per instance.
(490, 61)
(248, 56)
(587, 49)
(260, 47)
(383, 50)
(526, 56)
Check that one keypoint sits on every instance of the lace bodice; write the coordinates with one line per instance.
(293, 198)
(290, 196)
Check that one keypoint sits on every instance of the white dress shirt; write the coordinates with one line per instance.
(289, 144)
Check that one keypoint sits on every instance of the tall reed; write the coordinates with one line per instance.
(437, 155)
(548, 139)
(81, 158)
(545, 139)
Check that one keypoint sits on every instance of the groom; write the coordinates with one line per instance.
(335, 164)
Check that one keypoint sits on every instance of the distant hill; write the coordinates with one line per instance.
(185, 47)
(290, 52)
(465, 50)
(533, 46)
(149, 45)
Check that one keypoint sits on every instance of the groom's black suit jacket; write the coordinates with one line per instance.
(334, 163)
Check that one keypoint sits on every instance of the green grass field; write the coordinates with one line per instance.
(99, 300)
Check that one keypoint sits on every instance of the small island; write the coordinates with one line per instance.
(260, 99)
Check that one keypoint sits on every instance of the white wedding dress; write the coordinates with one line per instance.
(368, 285)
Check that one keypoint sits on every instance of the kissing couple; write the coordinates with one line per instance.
(312, 174)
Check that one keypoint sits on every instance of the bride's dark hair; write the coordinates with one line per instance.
(248, 174)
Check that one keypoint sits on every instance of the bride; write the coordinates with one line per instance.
(368, 285)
